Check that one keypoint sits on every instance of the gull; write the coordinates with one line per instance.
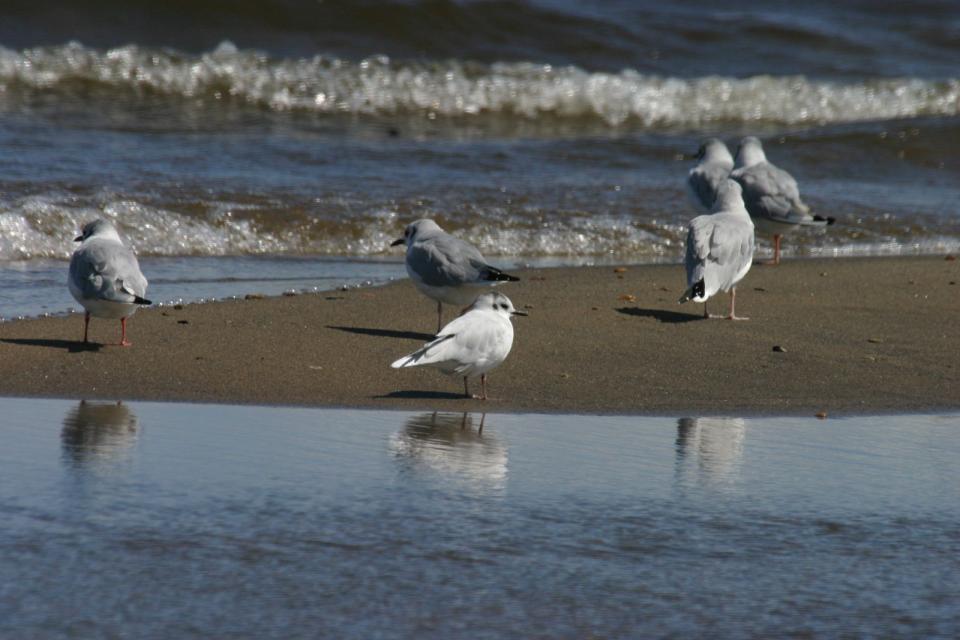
(713, 168)
(719, 249)
(105, 277)
(771, 195)
(472, 344)
(446, 268)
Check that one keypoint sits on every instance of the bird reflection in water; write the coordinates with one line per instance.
(710, 450)
(453, 446)
(98, 432)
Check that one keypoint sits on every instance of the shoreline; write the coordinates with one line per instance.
(858, 336)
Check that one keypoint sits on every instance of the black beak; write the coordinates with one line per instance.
(398, 241)
(519, 313)
(78, 239)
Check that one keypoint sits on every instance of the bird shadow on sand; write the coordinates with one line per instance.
(423, 395)
(386, 333)
(661, 315)
(73, 346)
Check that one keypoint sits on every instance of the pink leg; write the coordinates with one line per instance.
(123, 333)
(483, 386)
(776, 251)
(733, 302)
(86, 326)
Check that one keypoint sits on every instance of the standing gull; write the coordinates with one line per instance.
(719, 249)
(771, 195)
(472, 344)
(713, 168)
(446, 268)
(105, 277)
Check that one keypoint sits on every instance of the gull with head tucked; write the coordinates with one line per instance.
(771, 195)
(105, 277)
(719, 249)
(714, 164)
(446, 268)
(472, 344)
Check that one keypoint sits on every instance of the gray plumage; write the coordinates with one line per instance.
(771, 194)
(103, 270)
(105, 276)
(713, 168)
(719, 247)
(446, 268)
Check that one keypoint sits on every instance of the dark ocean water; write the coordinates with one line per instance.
(540, 130)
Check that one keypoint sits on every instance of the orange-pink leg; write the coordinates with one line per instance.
(776, 251)
(483, 388)
(123, 333)
(733, 302)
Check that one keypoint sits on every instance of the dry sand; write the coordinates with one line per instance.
(857, 336)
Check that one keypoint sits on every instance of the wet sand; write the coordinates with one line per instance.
(853, 336)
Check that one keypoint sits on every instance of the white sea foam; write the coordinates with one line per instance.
(44, 227)
(324, 84)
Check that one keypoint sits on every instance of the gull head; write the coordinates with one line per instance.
(497, 302)
(750, 152)
(713, 150)
(729, 197)
(97, 228)
(416, 230)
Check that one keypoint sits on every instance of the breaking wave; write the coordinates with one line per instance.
(379, 86)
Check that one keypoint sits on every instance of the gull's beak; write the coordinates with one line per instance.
(519, 313)
(78, 239)
(398, 241)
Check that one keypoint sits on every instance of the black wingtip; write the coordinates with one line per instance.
(139, 300)
(697, 290)
(495, 275)
(829, 219)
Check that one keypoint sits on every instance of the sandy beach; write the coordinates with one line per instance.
(839, 336)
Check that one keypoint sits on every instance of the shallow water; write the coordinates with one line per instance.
(544, 129)
(170, 520)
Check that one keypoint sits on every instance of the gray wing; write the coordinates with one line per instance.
(719, 249)
(771, 192)
(698, 247)
(731, 250)
(107, 271)
(446, 261)
(705, 180)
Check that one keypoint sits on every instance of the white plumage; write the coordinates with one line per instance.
(472, 344)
